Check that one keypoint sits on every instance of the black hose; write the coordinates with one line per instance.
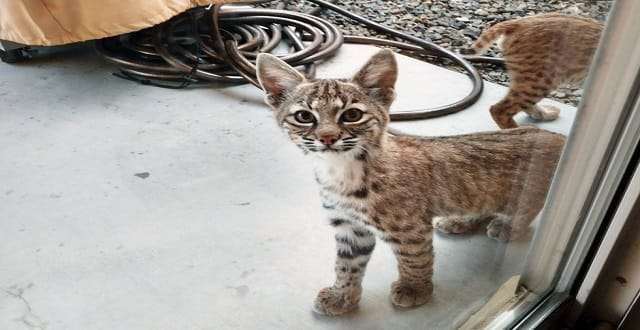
(221, 45)
(429, 47)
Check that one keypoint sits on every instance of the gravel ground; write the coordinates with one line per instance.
(455, 24)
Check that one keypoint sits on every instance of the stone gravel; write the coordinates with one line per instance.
(455, 24)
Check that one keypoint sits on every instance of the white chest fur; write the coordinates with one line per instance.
(339, 172)
(340, 176)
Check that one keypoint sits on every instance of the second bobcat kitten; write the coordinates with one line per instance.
(541, 53)
(400, 187)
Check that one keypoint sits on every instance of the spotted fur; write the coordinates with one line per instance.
(394, 187)
(541, 52)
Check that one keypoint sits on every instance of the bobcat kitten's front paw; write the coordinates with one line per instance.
(407, 295)
(332, 301)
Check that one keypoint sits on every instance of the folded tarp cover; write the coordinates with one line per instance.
(57, 22)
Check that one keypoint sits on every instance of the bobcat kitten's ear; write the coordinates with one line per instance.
(277, 78)
(379, 76)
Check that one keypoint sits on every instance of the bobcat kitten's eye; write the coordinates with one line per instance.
(304, 117)
(351, 115)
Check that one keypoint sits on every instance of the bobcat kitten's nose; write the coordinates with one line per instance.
(328, 140)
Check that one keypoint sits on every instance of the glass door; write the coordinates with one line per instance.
(594, 178)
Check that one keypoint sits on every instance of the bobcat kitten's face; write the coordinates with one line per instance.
(331, 116)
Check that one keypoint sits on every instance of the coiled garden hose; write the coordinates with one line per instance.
(220, 45)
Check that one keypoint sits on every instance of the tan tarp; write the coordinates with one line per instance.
(55, 22)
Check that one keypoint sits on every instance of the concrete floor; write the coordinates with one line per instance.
(125, 206)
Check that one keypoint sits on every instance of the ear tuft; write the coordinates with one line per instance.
(276, 77)
(379, 76)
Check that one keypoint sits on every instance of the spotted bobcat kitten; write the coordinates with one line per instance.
(395, 186)
(541, 53)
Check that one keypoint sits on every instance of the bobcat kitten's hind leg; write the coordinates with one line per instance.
(505, 228)
(503, 111)
(500, 228)
(529, 85)
(543, 112)
(457, 224)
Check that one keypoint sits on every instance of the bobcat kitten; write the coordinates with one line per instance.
(400, 187)
(541, 53)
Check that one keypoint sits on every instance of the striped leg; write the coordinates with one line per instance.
(415, 266)
(503, 111)
(530, 83)
(354, 245)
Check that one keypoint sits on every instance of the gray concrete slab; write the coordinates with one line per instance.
(125, 206)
